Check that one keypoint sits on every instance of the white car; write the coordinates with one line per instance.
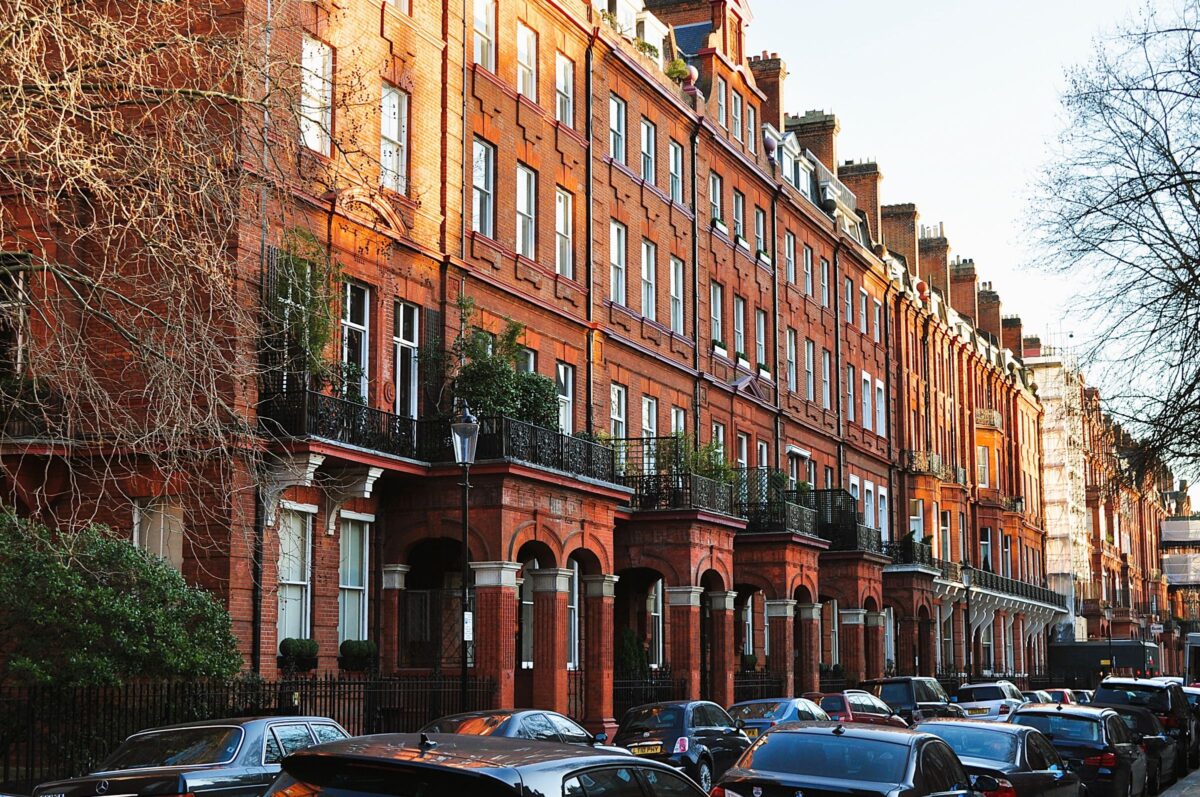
(994, 700)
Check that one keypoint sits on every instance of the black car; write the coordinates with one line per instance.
(1021, 759)
(457, 765)
(759, 716)
(913, 697)
(1094, 743)
(536, 724)
(695, 736)
(233, 758)
(1165, 762)
(831, 759)
(1168, 702)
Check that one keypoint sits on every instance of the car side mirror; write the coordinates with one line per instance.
(600, 738)
(1057, 771)
(984, 783)
(740, 724)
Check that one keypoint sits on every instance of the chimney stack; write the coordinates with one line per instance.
(900, 233)
(1031, 346)
(1011, 339)
(817, 131)
(964, 289)
(989, 311)
(769, 74)
(863, 180)
(935, 257)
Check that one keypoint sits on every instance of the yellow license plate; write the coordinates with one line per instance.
(650, 749)
(752, 733)
(977, 711)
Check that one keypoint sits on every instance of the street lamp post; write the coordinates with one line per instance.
(969, 636)
(464, 432)
(1112, 663)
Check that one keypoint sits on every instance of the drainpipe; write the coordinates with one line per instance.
(464, 195)
(837, 357)
(257, 586)
(925, 366)
(893, 428)
(694, 158)
(589, 228)
(775, 316)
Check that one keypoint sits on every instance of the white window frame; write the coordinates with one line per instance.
(678, 420)
(715, 190)
(789, 257)
(158, 529)
(302, 585)
(826, 386)
(751, 127)
(739, 326)
(406, 343)
(649, 280)
(878, 320)
(748, 622)
(485, 34)
(716, 309)
(483, 188)
(564, 378)
(808, 270)
(760, 230)
(526, 204)
(824, 282)
(527, 62)
(722, 89)
(617, 110)
(316, 95)
(349, 327)
(739, 214)
(851, 395)
(393, 139)
(810, 365)
(573, 607)
(760, 338)
(869, 503)
(881, 424)
(677, 295)
(884, 525)
(649, 146)
(654, 605)
(618, 396)
(346, 590)
(791, 360)
(983, 457)
(649, 420)
(564, 90)
(735, 117)
(718, 436)
(862, 310)
(916, 517)
(564, 233)
(617, 243)
(675, 166)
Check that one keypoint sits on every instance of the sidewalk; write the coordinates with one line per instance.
(1188, 787)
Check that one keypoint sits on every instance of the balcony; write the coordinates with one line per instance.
(911, 552)
(1015, 503)
(923, 462)
(988, 418)
(679, 491)
(309, 413)
(31, 415)
(951, 571)
(768, 507)
(997, 583)
(839, 522)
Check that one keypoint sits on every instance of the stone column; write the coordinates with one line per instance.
(1018, 635)
(874, 655)
(808, 619)
(684, 603)
(998, 643)
(495, 626)
(781, 661)
(724, 656)
(962, 637)
(599, 592)
(389, 645)
(551, 586)
(852, 639)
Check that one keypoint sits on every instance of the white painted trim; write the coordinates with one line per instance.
(295, 506)
(363, 516)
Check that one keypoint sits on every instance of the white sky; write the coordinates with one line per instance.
(958, 103)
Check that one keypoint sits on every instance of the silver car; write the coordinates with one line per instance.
(993, 700)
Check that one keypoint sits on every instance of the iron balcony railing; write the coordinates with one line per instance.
(997, 583)
(951, 571)
(679, 491)
(928, 462)
(910, 552)
(839, 522)
(1015, 503)
(989, 418)
(310, 413)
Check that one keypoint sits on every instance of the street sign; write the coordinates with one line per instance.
(1156, 628)
(469, 626)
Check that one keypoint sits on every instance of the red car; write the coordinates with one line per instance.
(1065, 696)
(855, 705)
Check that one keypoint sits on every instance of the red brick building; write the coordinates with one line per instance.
(689, 260)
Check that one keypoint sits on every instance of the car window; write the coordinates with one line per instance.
(719, 717)
(293, 736)
(1144, 695)
(759, 710)
(803, 714)
(1034, 755)
(937, 777)
(1047, 751)
(668, 784)
(881, 707)
(570, 732)
(1058, 727)
(327, 733)
(857, 703)
(868, 759)
(897, 693)
(651, 718)
(703, 716)
(952, 765)
(536, 726)
(979, 694)
(1013, 692)
(976, 741)
(316, 777)
(1117, 734)
(923, 693)
(175, 747)
(833, 703)
(616, 782)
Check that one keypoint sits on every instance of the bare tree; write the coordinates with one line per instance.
(1120, 212)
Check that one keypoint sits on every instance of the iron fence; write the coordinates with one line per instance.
(653, 687)
(831, 684)
(951, 571)
(756, 685)
(679, 491)
(52, 732)
(927, 462)
(910, 552)
(986, 580)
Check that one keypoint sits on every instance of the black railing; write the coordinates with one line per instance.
(910, 552)
(951, 571)
(50, 732)
(637, 690)
(928, 462)
(839, 522)
(756, 685)
(1014, 503)
(31, 417)
(679, 491)
(506, 438)
(985, 580)
(831, 684)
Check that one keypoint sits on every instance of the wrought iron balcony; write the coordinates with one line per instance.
(927, 462)
(951, 571)
(1015, 503)
(781, 516)
(911, 552)
(989, 418)
(997, 583)
(679, 491)
(839, 522)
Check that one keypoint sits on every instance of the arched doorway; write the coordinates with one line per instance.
(712, 657)
(532, 556)
(430, 616)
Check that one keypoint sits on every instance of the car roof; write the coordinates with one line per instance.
(457, 751)
(986, 683)
(1135, 682)
(1065, 709)
(1123, 708)
(1006, 727)
(241, 722)
(855, 730)
(768, 700)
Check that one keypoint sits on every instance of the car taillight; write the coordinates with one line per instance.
(1102, 760)
(721, 791)
(1005, 708)
(681, 744)
(1006, 789)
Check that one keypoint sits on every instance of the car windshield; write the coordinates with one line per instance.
(762, 710)
(979, 694)
(1061, 728)
(825, 755)
(333, 777)
(473, 725)
(176, 747)
(652, 718)
(1155, 699)
(974, 741)
(895, 694)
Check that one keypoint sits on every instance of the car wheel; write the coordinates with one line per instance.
(704, 776)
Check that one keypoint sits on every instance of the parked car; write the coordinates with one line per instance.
(1165, 762)
(1192, 693)
(994, 700)
(1094, 743)
(695, 736)
(229, 757)
(1082, 696)
(539, 725)
(914, 697)
(1168, 702)
(1037, 696)
(823, 759)
(855, 705)
(433, 765)
(759, 716)
(1020, 758)
(1067, 696)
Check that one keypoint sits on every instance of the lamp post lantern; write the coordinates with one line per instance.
(1112, 663)
(969, 637)
(464, 431)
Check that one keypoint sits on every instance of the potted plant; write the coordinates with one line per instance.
(743, 360)
(719, 223)
(719, 348)
(298, 655)
(358, 655)
(742, 242)
(764, 256)
(764, 370)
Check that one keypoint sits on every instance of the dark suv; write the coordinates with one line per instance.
(913, 697)
(1167, 701)
(694, 736)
